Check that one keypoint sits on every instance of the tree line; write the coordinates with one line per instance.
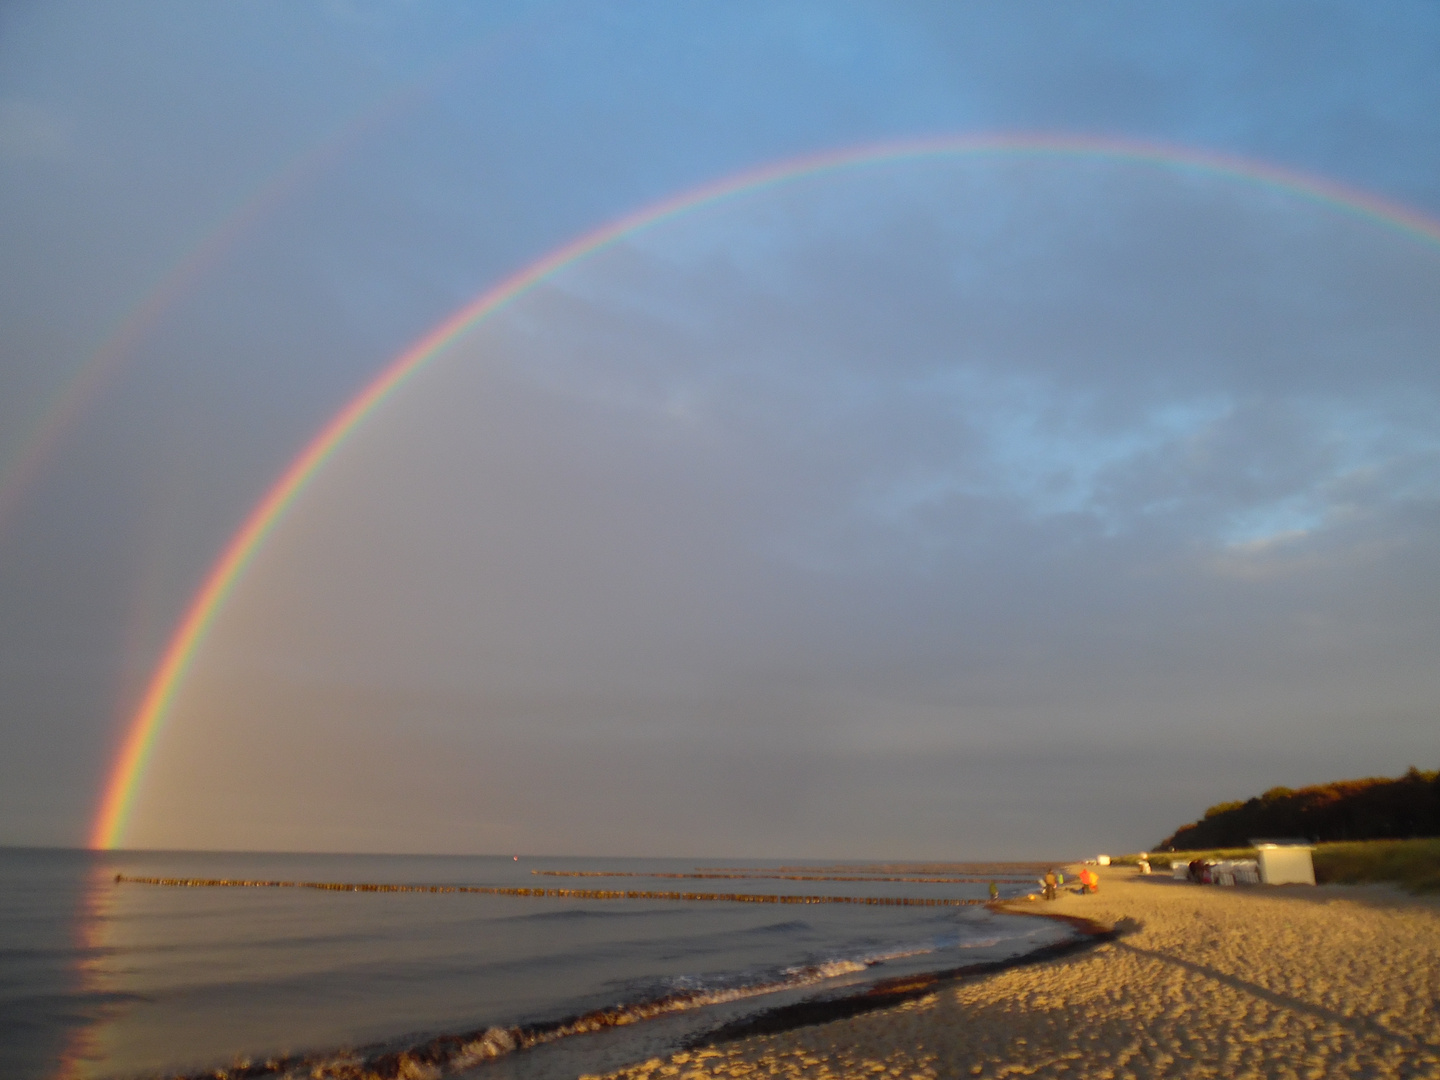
(1373, 808)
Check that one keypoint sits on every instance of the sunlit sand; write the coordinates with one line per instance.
(1202, 981)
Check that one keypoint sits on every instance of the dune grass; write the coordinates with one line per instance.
(1413, 864)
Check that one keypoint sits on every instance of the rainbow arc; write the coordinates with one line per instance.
(127, 769)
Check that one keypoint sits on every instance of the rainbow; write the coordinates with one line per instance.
(77, 395)
(128, 767)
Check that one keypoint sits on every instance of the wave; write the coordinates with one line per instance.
(580, 915)
(787, 927)
(452, 1053)
(449, 1054)
(430, 1057)
(438, 1056)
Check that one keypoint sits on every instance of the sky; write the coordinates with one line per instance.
(939, 505)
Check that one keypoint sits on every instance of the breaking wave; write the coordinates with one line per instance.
(447, 1054)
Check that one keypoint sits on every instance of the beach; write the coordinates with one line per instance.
(1200, 981)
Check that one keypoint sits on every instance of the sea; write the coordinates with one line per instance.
(107, 978)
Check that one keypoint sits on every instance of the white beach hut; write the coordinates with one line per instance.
(1285, 864)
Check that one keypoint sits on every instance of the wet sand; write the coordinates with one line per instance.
(1202, 981)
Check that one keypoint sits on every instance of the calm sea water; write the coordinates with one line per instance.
(99, 979)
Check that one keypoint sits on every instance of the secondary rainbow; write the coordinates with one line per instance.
(70, 403)
(127, 770)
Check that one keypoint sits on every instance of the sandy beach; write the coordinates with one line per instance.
(1202, 981)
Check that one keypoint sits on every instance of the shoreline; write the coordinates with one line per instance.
(888, 993)
(474, 1051)
(1182, 980)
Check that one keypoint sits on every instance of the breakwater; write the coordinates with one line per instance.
(562, 894)
(785, 877)
(984, 870)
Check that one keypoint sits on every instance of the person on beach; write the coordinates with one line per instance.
(1049, 884)
(994, 892)
(1089, 881)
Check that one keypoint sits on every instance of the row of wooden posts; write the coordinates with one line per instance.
(976, 879)
(568, 894)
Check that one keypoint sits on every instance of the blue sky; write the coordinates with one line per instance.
(986, 402)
